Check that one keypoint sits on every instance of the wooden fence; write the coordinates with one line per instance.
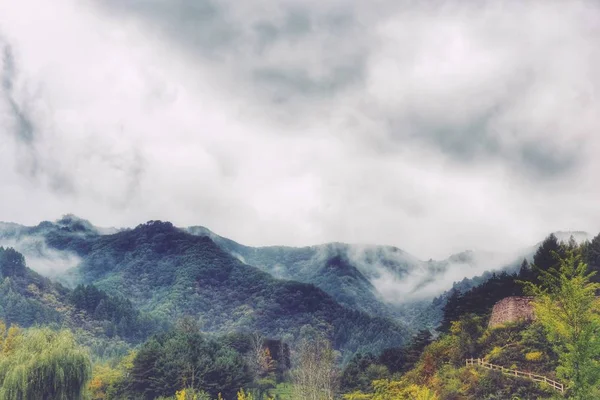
(528, 375)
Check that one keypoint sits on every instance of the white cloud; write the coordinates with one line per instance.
(432, 127)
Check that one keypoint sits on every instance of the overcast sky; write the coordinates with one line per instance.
(434, 126)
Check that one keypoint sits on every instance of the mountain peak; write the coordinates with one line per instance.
(75, 223)
(156, 225)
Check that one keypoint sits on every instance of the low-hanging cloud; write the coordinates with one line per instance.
(400, 278)
(433, 126)
(40, 257)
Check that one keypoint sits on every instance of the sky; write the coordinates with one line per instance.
(434, 126)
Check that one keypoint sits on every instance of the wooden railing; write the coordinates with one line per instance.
(528, 375)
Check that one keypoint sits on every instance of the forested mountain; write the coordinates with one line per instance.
(170, 273)
(560, 344)
(348, 273)
(380, 280)
(109, 325)
(196, 308)
(27, 298)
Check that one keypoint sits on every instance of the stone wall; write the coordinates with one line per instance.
(512, 309)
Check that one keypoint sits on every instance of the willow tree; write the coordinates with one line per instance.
(45, 364)
(566, 305)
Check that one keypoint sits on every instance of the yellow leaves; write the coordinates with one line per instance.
(241, 395)
(494, 354)
(33, 289)
(534, 356)
(189, 394)
(267, 361)
(180, 395)
(102, 378)
(97, 389)
(416, 392)
(456, 327)
(127, 361)
(394, 390)
(12, 340)
(357, 396)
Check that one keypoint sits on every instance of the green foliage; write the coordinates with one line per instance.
(122, 319)
(592, 253)
(12, 263)
(44, 364)
(566, 305)
(332, 267)
(440, 366)
(26, 298)
(481, 298)
(360, 372)
(363, 369)
(186, 359)
(169, 274)
(394, 390)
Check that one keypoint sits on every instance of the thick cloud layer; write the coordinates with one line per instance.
(434, 126)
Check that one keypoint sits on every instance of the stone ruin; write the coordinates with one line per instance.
(512, 309)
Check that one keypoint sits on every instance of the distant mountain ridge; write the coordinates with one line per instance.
(170, 273)
(381, 281)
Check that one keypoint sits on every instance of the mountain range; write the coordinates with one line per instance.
(366, 297)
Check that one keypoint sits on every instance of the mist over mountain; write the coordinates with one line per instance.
(395, 276)
(369, 278)
(170, 274)
(382, 281)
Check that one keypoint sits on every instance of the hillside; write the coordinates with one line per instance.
(27, 298)
(170, 273)
(381, 281)
(109, 325)
(564, 285)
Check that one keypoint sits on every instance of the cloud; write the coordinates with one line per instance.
(431, 126)
(400, 278)
(22, 127)
(41, 258)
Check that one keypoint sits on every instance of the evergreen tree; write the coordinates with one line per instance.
(452, 310)
(421, 340)
(566, 305)
(394, 359)
(593, 253)
(525, 272)
(12, 263)
(544, 257)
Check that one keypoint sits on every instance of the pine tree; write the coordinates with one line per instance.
(593, 253)
(452, 310)
(12, 263)
(544, 257)
(566, 305)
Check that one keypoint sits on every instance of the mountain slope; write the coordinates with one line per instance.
(106, 324)
(348, 273)
(379, 280)
(27, 298)
(51, 247)
(171, 273)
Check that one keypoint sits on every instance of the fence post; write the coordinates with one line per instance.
(538, 378)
